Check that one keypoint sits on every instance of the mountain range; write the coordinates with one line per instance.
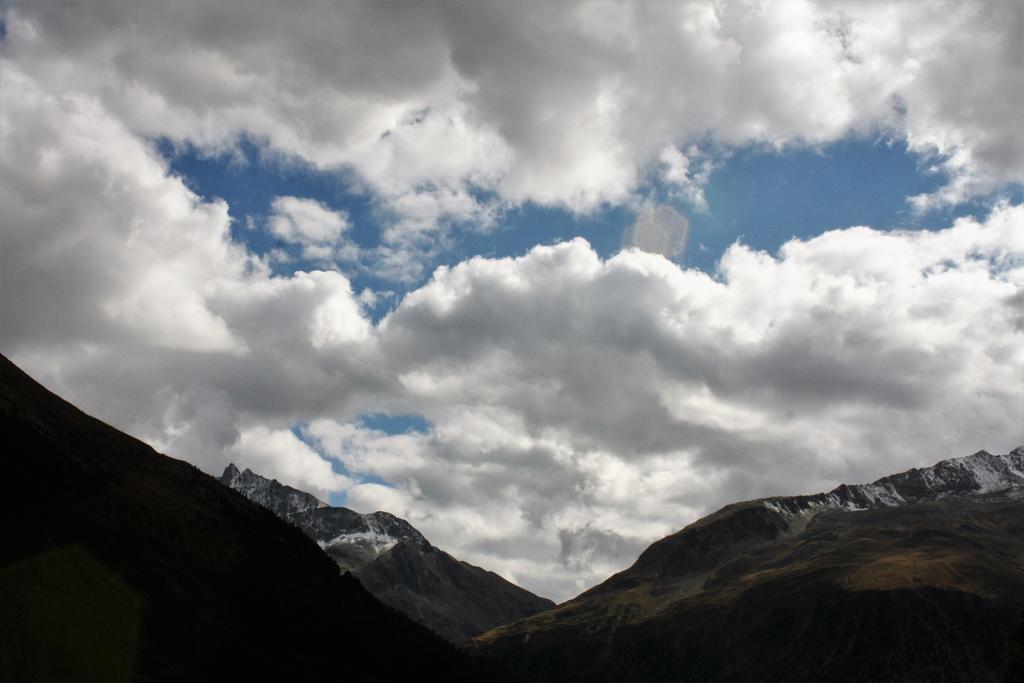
(396, 563)
(916, 576)
(119, 563)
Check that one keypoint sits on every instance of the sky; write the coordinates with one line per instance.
(548, 280)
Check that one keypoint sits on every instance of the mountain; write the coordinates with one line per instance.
(396, 563)
(917, 576)
(353, 540)
(118, 563)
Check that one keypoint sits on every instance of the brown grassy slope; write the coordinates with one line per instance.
(924, 591)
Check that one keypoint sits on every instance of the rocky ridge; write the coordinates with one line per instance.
(395, 562)
(917, 575)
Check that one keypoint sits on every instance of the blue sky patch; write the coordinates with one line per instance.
(759, 196)
(764, 198)
(337, 498)
(390, 423)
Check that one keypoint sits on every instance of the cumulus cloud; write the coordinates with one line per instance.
(123, 290)
(687, 174)
(97, 239)
(579, 407)
(307, 222)
(565, 104)
(280, 451)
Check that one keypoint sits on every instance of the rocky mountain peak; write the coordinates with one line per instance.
(351, 538)
(976, 474)
(230, 473)
(270, 493)
(395, 562)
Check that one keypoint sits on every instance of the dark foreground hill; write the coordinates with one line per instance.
(919, 576)
(119, 563)
(396, 563)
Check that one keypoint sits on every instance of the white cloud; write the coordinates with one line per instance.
(687, 174)
(580, 407)
(583, 407)
(123, 290)
(563, 104)
(282, 455)
(309, 223)
(99, 244)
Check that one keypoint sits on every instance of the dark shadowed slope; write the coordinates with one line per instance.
(118, 562)
(919, 576)
(396, 563)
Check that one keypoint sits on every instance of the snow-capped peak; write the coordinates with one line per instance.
(977, 474)
(351, 538)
